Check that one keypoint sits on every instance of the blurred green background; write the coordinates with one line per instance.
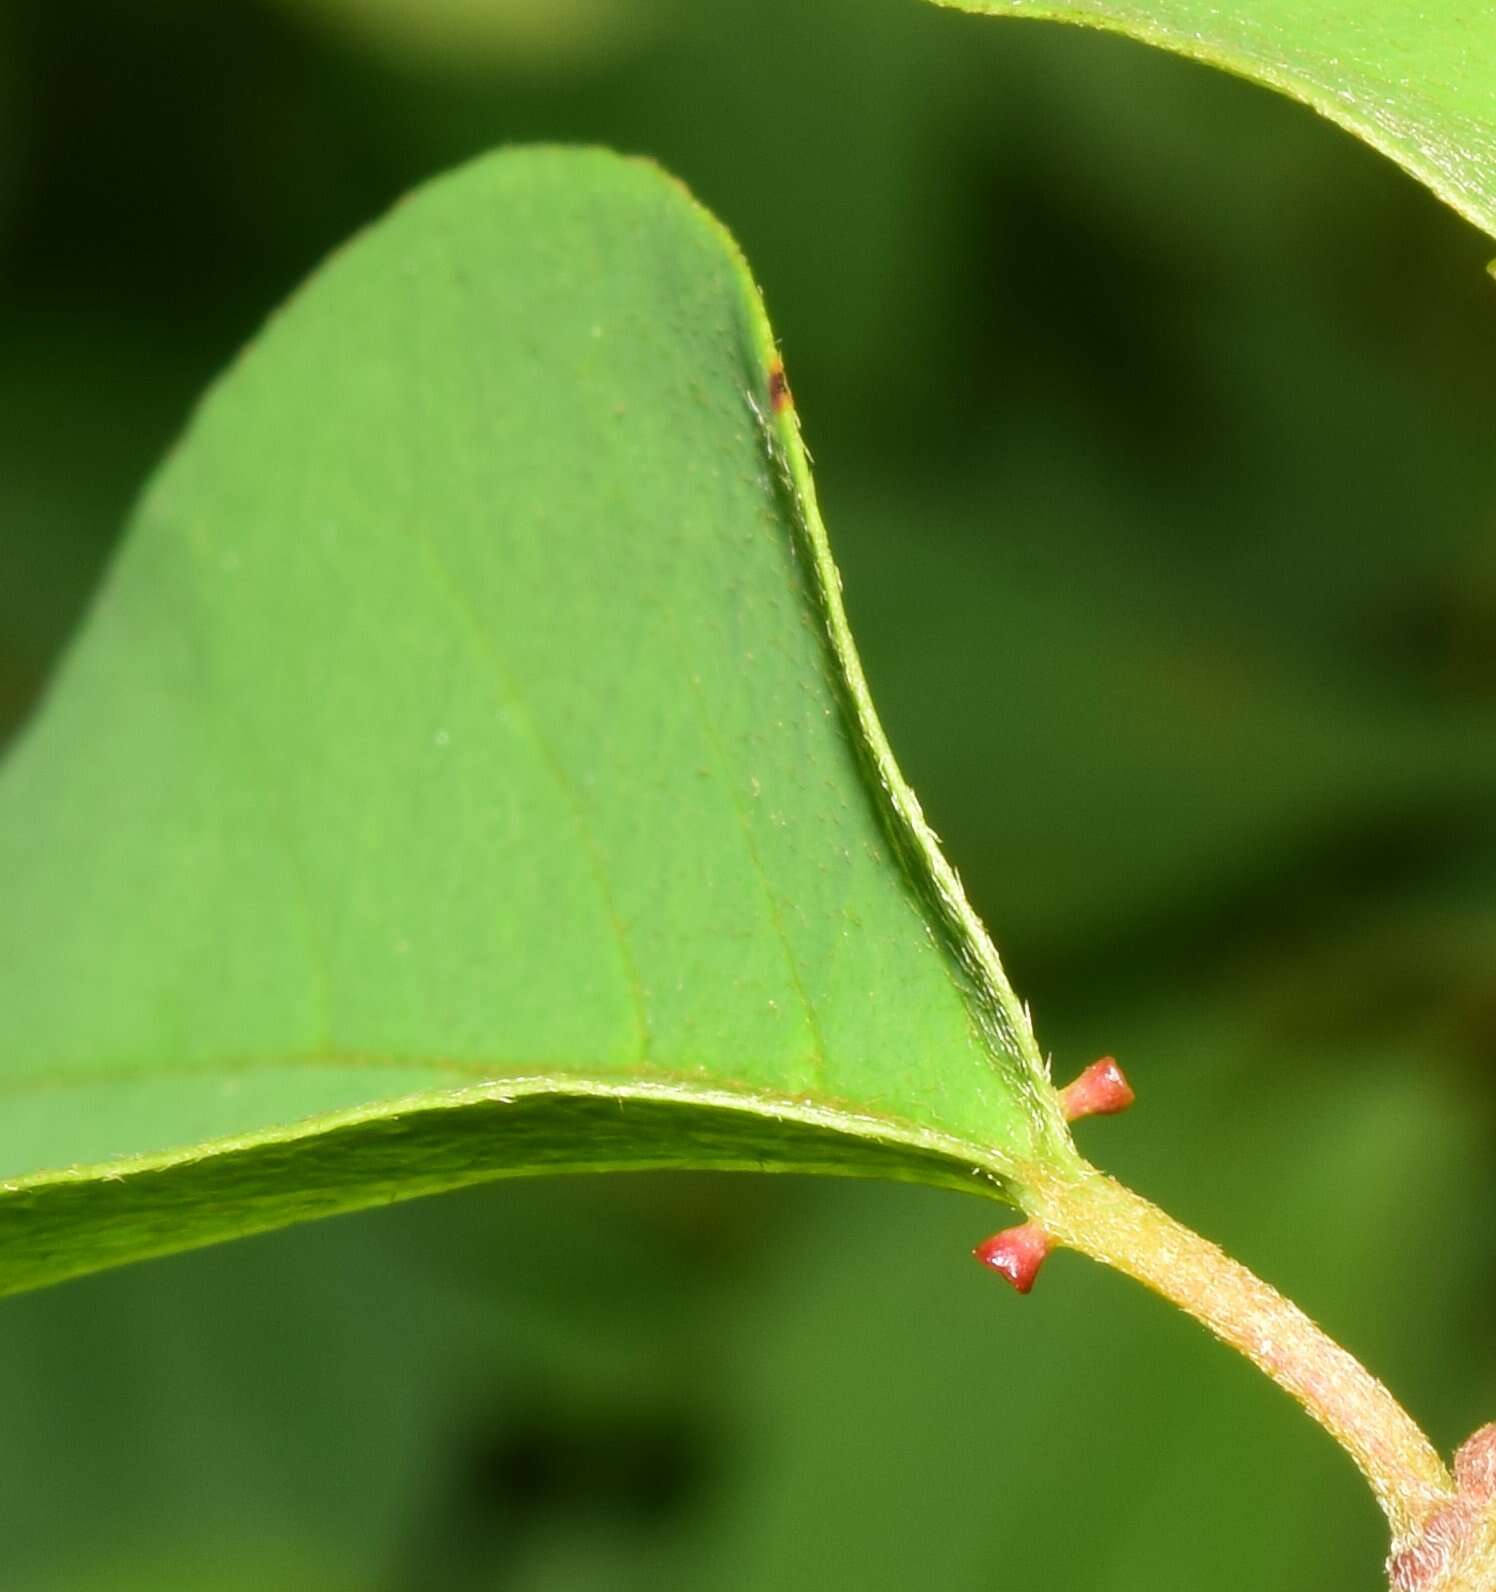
(1154, 424)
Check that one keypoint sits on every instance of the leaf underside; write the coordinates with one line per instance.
(465, 771)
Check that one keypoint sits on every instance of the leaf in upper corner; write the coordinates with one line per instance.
(1417, 83)
(465, 770)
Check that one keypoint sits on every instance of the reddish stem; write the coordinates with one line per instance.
(1102, 1219)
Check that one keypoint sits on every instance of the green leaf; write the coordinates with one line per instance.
(466, 771)
(1417, 84)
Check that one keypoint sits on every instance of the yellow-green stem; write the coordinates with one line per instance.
(1097, 1216)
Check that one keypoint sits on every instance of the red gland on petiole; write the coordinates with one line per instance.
(1016, 1253)
(1100, 1091)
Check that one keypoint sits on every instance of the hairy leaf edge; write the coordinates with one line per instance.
(57, 1225)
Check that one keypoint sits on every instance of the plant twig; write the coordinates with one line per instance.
(1099, 1217)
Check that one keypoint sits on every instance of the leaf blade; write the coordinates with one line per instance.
(473, 702)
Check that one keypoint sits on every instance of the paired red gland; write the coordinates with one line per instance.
(1101, 1091)
(1017, 1253)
